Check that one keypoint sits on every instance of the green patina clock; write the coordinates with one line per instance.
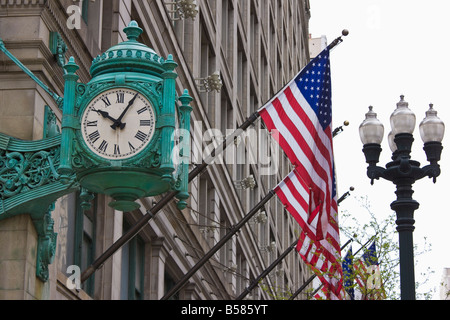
(122, 125)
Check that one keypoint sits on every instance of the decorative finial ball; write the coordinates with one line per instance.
(133, 31)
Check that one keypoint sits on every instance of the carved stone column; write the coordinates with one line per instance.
(154, 273)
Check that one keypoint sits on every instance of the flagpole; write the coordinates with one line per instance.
(338, 40)
(365, 245)
(219, 245)
(267, 271)
(142, 222)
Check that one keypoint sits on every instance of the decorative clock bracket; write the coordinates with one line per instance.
(30, 184)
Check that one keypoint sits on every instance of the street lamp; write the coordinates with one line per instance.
(403, 172)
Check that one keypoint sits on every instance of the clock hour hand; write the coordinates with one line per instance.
(118, 122)
(105, 115)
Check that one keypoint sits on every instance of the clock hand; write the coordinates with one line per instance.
(118, 122)
(104, 114)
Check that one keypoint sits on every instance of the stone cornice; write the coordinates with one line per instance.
(21, 4)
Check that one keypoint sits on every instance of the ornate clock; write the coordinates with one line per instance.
(118, 124)
(118, 130)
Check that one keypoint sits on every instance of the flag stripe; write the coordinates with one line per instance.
(301, 152)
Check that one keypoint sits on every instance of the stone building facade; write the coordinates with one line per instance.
(256, 47)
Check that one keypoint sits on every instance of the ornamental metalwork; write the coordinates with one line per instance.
(23, 171)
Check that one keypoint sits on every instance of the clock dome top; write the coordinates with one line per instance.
(128, 56)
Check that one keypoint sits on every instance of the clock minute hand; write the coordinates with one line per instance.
(118, 122)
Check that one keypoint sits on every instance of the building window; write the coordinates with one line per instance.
(226, 252)
(133, 262)
(242, 269)
(85, 10)
(207, 66)
(169, 283)
(228, 30)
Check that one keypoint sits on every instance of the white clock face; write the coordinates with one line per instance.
(118, 124)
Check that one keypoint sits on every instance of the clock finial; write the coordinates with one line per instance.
(133, 31)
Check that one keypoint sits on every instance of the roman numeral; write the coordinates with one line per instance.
(120, 97)
(106, 101)
(92, 123)
(141, 136)
(142, 110)
(103, 146)
(146, 123)
(94, 136)
(132, 148)
(116, 149)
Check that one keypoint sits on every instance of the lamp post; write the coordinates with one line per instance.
(403, 172)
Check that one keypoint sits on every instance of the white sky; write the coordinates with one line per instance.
(394, 48)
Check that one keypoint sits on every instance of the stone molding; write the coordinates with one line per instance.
(20, 4)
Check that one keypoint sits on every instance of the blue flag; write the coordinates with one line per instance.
(370, 255)
(347, 268)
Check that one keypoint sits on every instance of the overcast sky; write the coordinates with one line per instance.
(394, 48)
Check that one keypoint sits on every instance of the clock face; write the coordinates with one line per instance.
(118, 124)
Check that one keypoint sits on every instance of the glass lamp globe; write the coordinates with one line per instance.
(371, 130)
(392, 144)
(403, 120)
(432, 128)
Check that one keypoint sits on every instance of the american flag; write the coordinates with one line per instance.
(301, 114)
